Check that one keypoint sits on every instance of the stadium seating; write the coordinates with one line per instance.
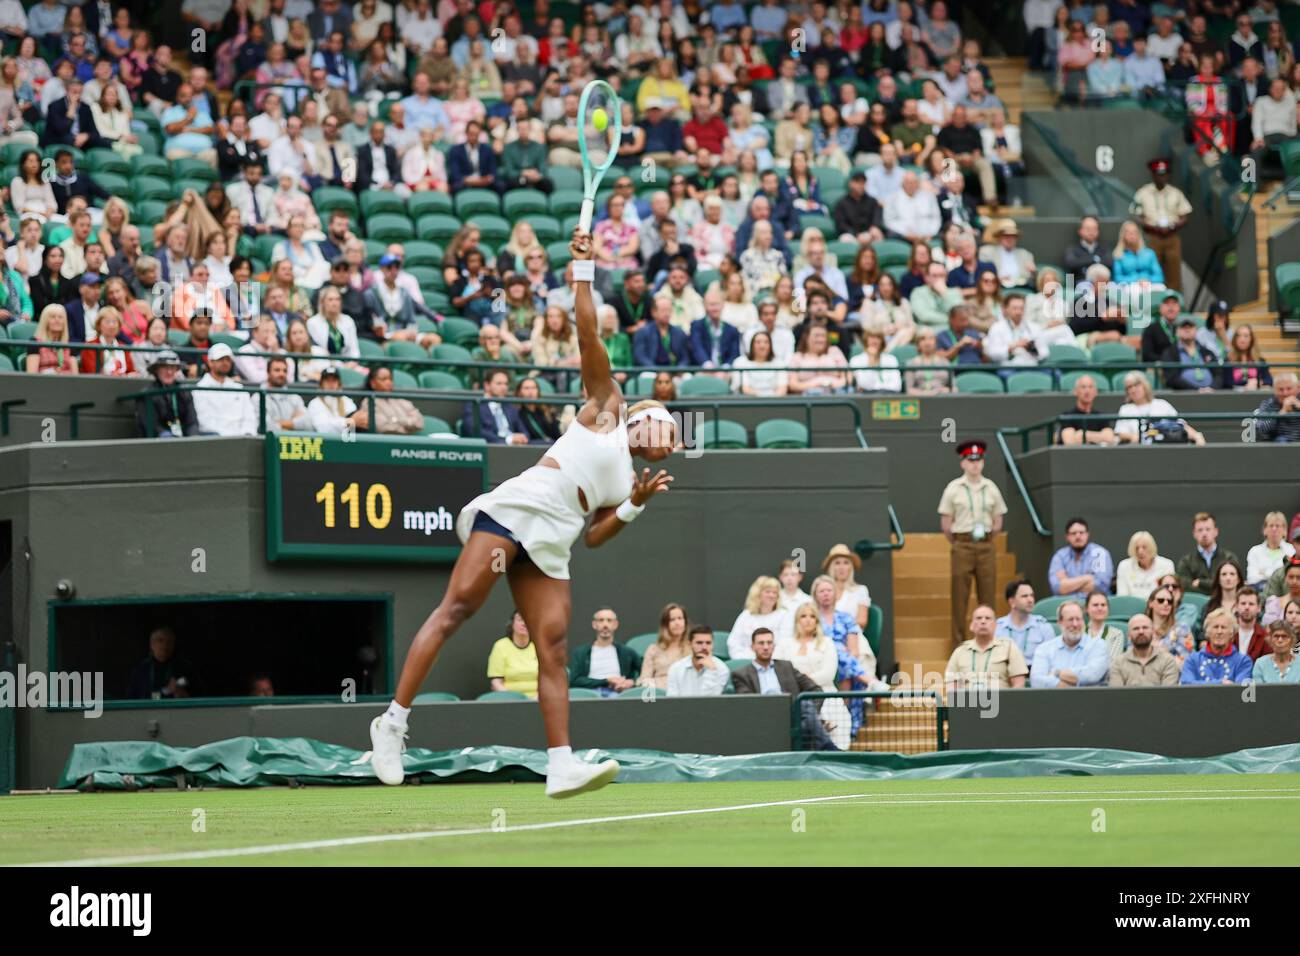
(724, 434)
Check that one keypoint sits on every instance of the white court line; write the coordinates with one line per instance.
(864, 799)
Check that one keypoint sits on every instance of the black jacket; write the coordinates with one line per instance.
(855, 216)
(792, 681)
(58, 127)
(1174, 377)
(1076, 259)
(83, 185)
(366, 167)
(164, 414)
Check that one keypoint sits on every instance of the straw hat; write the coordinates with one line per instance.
(841, 551)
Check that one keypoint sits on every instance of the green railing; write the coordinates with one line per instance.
(924, 734)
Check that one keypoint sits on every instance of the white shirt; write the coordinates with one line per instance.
(232, 414)
(853, 598)
(1040, 13)
(1164, 48)
(740, 642)
(1155, 409)
(33, 258)
(915, 215)
(820, 662)
(685, 681)
(883, 183)
(604, 662)
(1260, 564)
(1132, 580)
(329, 412)
(420, 32)
(12, 14)
(832, 277)
(884, 377)
(286, 156)
(1002, 336)
(318, 329)
(782, 343)
(989, 139)
(792, 602)
(265, 128)
(766, 379)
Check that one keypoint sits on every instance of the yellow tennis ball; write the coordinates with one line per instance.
(599, 120)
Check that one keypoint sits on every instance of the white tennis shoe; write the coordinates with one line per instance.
(387, 744)
(578, 777)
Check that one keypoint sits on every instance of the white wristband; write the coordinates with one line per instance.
(627, 512)
(584, 270)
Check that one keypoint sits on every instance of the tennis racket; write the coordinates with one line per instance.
(598, 147)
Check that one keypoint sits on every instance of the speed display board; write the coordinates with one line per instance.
(375, 498)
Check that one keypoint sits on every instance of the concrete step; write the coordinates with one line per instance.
(924, 648)
(922, 565)
(911, 627)
(924, 606)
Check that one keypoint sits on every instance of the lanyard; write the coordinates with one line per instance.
(970, 501)
(988, 658)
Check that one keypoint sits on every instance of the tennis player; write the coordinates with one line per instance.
(525, 529)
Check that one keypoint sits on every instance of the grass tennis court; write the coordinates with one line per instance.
(1169, 820)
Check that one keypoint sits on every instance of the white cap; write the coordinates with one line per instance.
(219, 351)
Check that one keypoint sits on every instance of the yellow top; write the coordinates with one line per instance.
(516, 665)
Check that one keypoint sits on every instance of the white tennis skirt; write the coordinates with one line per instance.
(540, 507)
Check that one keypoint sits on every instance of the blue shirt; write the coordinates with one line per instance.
(968, 355)
(762, 19)
(767, 682)
(421, 113)
(963, 278)
(1143, 71)
(725, 16)
(1089, 660)
(1202, 667)
(1035, 631)
(1094, 560)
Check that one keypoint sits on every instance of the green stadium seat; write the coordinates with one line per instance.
(6, 364)
(701, 385)
(641, 642)
(177, 337)
(830, 178)
(436, 300)
(501, 695)
(1113, 353)
(565, 202)
(148, 165)
(1126, 605)
(892, 252)
(78, 157)
(493, 230)
(378, 202)
(150, 141)
(388, 227)
(979, 382)
(844, 252)
(435, 697)
(637, 693)
(10, 153)
(1069, 378)
(657, 181)
(567, 225)
(369, 348)
(425, 275)
(588, 693)
(419, 252)
(433, 425)
(546, 228)
(440, 381)
(146, 212)
(522, 202)
(264, 245)
(1117, 380)
(559, 255)
(21, 331)
(151, 188)
(193, 169)
(566, 178)
(1287, 278)
(352, 378)
(404, 381)
(460, 331)
(226, 338)
(115, 184)
(181, 186)
(1066, 355)
(108, 161)
(425, 324)
(1289, 153)
(1048, 606)
(875, 628)
(1196, 599)
(438, 227)
(375, 249)
(903, 353)
(328, 198)
(424, 203)
(398, 349)
(818, 221)
(704, 278)
(781, 433)
(473, 202)
(1028, 383)
(720, 645)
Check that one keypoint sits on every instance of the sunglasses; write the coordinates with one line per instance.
(1163, 600)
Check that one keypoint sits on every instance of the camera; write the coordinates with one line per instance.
(65, 590)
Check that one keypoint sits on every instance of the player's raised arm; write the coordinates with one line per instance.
(596, 374)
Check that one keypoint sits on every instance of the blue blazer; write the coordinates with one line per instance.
(487, 425)
(648, 347)
(702, 343)
(458, 164)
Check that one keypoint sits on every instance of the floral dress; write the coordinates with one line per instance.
(838, 629)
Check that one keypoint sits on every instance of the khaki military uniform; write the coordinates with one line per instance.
(1162, 208)
(972, 509)
(992, 667)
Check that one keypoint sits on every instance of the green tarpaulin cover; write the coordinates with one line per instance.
(269, 761)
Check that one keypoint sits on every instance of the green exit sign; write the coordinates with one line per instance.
(895, 409)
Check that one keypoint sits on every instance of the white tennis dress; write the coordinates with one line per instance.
(540, 506)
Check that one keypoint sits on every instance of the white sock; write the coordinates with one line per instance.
(397, 714)
(558, 757)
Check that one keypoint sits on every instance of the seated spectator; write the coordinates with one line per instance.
(672, 645)
(1283, 589)
(1158, 337)
(1137, 574)
(250, 363)
(1075, 429)
(310, 268)
(1228, 582)
(107, 329)
(166, 415)
(490, 348)
(289, 201)
(912, 213)
(197, 294)
(1082, 565)
(1218, 661)
(1011, 340)
(1087, 251)
(1249, 372)
(1145, 663)
(228, 412)
(393, 312)
(162, 675)
(616, 239)
(876, 371)
(771, 675)
(685, 304)
(1097, 314)
(713, 342)
(554, 342)
(959, 343)
(1072, 660)
(1275, 667)
(1097, 611)
(1014, 266)
(496, 422)
(815, 367)
(70, 122)
(1267, 558)
(285, 410)
(603, 664)
(1198, 570)
(1001, 143)
(472, 164)
(918, 379)
(30, 193)
(965, 276)
(1135, 262)
(297, 341)
(393, 416)
(1145, 419)
(701, 674)
(933, 303)
(1200, 372)
(1252, 638)
(330, 412)
(541, 424)
(782, 339)
(711, 238)
(821, 265)
(1048, 311)
(332, 329)
(523, 161)
(56, 359)
(1025, 629)
(1285, 400)
(987, 660)
(512, 664)
(762, 611)
(189, 128)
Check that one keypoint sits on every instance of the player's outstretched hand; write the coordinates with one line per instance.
(580, 244)
(644, 488)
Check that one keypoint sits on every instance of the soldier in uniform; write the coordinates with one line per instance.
(970, 514)
(1162, 210)
(986, 661)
